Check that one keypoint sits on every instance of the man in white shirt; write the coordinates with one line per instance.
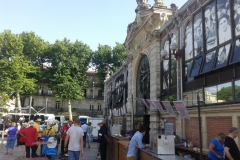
(75, 138)
(84, 128)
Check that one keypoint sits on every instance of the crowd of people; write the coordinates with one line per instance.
(71, 135)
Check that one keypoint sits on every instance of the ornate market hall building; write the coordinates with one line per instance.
(180, 54)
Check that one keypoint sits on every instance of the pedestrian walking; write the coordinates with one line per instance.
(21, 142)
(84, 128)
(103, 139)
(89, 134)
(31, 135)
(11, 138)
(75, 139)
(64, 134)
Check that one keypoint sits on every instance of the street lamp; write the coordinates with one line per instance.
(93, 98)
(176, 52)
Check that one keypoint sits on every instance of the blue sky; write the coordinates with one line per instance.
(92, 22)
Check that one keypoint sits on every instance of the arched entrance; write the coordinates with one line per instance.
(142, 91)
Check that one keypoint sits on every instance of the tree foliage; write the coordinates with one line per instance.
(14, 66)
(69, 63)
(105, 56)
(225, 93)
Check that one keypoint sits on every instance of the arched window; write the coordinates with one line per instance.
(143, 83)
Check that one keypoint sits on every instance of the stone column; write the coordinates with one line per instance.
(154, 64)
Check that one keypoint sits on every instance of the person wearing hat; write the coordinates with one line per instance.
(63, 136)
(31, 136)
(224, 29)
(37, 126)
(21, 142)
(49, 131)
(103, 139)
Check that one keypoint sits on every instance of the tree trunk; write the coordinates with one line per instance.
(18, 102)
(70, 110)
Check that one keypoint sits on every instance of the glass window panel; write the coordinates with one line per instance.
(210, 94)
(237, 17)
(188, 67)
(188, 98)
(208, 62)
(174, 77)
(224, 93)
(210, 26)
(165, 80)
(237, 90)
(224, 21)
(196, 66)
(188, 42)
(198, 34)
(222, 56)
(195, 93)
(236, 53)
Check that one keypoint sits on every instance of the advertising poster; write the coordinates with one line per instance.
(168, 128)
(180, 106)
(168, 107)
(158, 106)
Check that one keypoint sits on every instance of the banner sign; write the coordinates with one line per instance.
(151, 103)
(182, 110)
(168, 107)
(144, 102)
(158, 106)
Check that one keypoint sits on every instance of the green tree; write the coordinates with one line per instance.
(225, 93)
(105, 56)
(69, 63)
(14, 67)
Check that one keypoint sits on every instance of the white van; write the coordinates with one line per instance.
(94, 122)
(83, 119)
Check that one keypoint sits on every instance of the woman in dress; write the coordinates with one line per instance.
(216, 147)
(21, 142)
(11, 138)
(89, 134)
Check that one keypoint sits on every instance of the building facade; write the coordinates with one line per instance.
(182, 54)
(90, 105)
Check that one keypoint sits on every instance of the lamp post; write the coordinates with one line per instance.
(176, 53)
(93, 99)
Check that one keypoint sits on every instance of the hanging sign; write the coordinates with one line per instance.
(158, 106)
(168, 107)
(182, 110)
(151, 103)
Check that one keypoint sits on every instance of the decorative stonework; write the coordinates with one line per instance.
(158, 3)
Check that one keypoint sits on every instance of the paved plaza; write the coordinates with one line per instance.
(89, 153)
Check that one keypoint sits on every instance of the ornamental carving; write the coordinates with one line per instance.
(158, 3)
(130, 58)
